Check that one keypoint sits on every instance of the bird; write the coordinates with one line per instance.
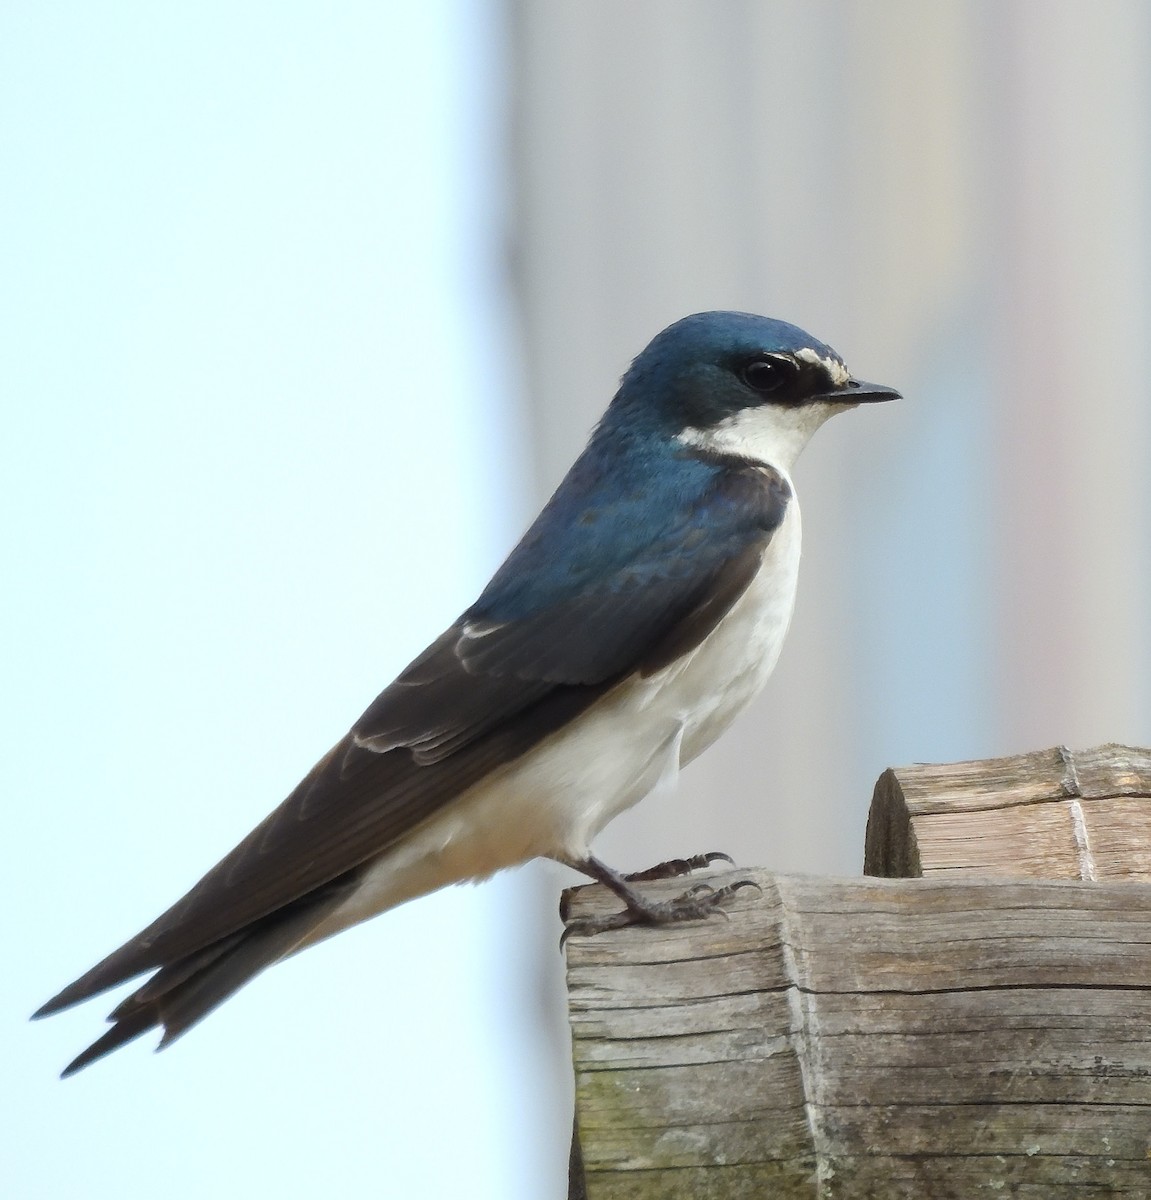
(641, 611)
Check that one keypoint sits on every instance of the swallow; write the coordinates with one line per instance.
(641, 612)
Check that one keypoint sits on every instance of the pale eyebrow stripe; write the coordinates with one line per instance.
(836, 371)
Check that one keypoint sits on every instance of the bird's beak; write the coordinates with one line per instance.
(858, 391)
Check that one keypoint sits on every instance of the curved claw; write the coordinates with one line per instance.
(680, 866)
(590, 926)
(717, 856)
(701, 891)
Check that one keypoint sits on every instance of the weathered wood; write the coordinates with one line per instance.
(1048, 815)
(869, 1038)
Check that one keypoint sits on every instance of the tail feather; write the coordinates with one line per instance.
(167, 979)
(117, 968)
(191, 1001)
(183, 992)
(123, 1032)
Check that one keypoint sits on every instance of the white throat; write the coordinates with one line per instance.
(768, 433)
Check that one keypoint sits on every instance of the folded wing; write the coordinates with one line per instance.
(517, 666)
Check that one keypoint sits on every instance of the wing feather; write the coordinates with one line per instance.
(481, 695)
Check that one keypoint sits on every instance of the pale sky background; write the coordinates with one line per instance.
(259, 449)
(272, 415)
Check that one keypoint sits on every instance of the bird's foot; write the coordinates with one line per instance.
(679, 866)
(695, 904)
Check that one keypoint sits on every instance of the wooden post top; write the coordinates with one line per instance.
(1052, 814)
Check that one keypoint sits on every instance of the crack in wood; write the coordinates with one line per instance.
(1087, 870)
(801, 1002)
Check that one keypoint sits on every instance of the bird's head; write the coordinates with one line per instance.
(738, 385)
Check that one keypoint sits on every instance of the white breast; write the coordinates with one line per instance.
(729, 670)
(555, 799)
(568, 789)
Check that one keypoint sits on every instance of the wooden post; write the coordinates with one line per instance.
(1048, 815)
(849, 1038)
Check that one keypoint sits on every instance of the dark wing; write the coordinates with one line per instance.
(485, 692)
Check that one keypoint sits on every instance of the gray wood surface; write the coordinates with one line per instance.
(849, 1038)
(1052, 814)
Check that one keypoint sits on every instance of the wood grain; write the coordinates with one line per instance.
(869, 1038)
(1052, 814)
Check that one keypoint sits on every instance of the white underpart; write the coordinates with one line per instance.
(772, 434)
(555, 799)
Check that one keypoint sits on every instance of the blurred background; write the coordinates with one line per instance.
(307, 308)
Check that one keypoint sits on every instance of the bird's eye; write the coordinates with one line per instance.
(768, 373)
